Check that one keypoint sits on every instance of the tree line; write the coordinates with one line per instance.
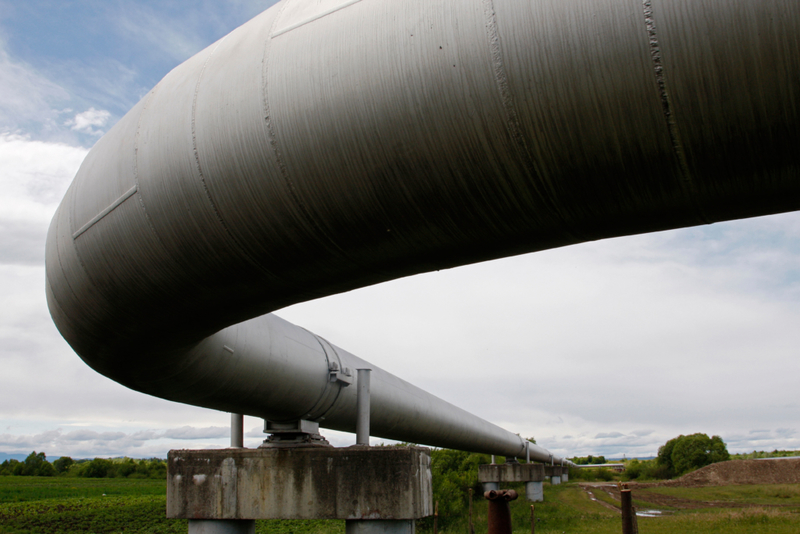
(36, 465)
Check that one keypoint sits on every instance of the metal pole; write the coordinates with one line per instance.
(528, 452)
(533, 520)
(362, 403)
(237, 431)
(626, 505)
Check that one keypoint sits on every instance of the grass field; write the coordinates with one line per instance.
(78, 505)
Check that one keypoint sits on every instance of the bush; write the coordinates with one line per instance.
(683, 454)
(63, 464)
(454, 473)
(645, 470)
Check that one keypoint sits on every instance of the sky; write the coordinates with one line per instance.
(605, 348)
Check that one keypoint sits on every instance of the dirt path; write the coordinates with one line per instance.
(590, 490)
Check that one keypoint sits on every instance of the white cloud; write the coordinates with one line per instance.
(26, 96)
(188, 432)
(89, 121)
(34, 175)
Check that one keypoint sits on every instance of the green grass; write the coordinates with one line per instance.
(741, 521)
(24, 489)
(129, 513)
(763, 494)
(31, 505)
(67, 505)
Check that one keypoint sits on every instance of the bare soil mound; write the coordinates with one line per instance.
(736, 472)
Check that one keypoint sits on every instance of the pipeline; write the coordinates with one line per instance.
(326, 146)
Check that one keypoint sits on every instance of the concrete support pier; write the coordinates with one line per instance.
(226, 526)
(534, 491)
(377, 526)
(379, 490)
(554, 472)
(532, 474)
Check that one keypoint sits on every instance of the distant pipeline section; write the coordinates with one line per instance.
(332, 145)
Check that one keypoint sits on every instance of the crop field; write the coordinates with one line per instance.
(78, 505)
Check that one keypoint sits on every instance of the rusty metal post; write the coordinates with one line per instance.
(499, 511)
(533, 520)
(626, 505)
(436, 518)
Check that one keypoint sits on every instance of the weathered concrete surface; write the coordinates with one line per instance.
(534, 491)
(313, 483)
(379, 527)
(554, 470)
(511, 472)
(223, 526)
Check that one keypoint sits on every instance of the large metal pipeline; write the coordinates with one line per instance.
(330, 145)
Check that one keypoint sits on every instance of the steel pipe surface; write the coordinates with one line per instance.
(325, 146)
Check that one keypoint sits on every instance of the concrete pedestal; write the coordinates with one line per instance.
(489, 486)
(404, 526)
(555, 480)
(225, 526)
(532, 474)
(534, 491)
(377, 489)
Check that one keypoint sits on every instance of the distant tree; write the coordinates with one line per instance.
(97, 468)
(664, 457)
(63, 464)
(36, 465)
(683, 454)
(6, 468)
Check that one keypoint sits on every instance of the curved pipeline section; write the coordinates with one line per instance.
(330, 145)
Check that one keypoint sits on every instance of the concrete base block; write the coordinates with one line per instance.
(534, 491)
(511, 472)
(225, 526)
(489, 486)
(555, 480)
(364, 483)
(565, 476)
(379, 527)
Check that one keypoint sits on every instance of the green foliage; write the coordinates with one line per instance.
(589, 460)
(36, 464)
(63, 464)
(645, 470)
(592, 475)
(763, 454)
(454, 473)
(683, 454)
